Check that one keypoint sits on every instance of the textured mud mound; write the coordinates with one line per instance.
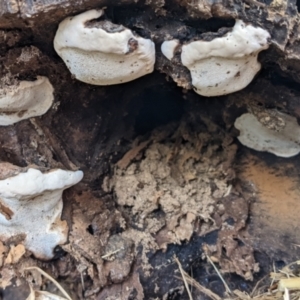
(182, 184)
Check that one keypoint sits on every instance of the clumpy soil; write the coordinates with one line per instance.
(182, 184)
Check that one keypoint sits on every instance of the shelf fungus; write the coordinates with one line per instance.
(168, 48)
(225, 64)
(276, 133)
(25, 99)
(31, 206)
(102, 53)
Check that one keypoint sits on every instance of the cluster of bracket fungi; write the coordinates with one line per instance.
(103, 53)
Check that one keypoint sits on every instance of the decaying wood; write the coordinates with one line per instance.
(93, 128)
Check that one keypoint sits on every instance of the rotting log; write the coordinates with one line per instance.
(92, 127)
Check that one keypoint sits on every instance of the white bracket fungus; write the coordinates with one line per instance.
(226, 64)
(31, 206)
(168, 48)
(282, 140)
(102, 53)
(25, 100)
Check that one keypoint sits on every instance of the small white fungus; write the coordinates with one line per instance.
(226, 64)
(283, 142)
(168, 48)
(31, 206)
(25, 100)
(96, 55)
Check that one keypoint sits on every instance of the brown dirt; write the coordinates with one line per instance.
(275, 212)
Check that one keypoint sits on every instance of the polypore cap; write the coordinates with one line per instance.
(225, 64)
(102, 53)
(31, 206)
(34, 182)
(283, 141)
(24, 100)
(168, 48)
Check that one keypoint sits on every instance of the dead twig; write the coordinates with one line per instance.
(111, 253)
(125, 161)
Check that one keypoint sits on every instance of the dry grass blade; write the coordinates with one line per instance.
(256, 286)
(286, 295)
(241, 295)
(51, 279)
(111, 253)
(201, 288)
(82, 281)
(289, 283)
(31, 296)
(183, 274)
(216, 269)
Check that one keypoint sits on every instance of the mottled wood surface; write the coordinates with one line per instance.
(15, 13)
